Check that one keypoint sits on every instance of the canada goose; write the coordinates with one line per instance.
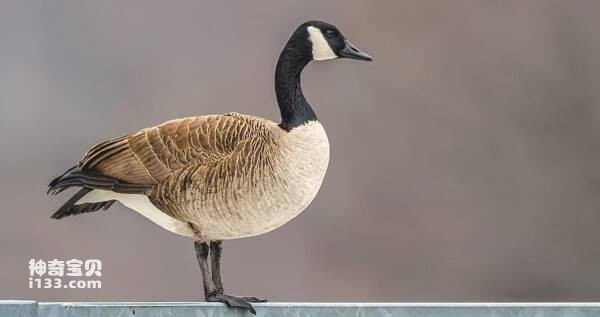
(218, 177)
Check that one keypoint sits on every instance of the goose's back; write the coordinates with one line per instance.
(152, 155)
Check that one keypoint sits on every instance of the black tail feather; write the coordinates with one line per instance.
(88, 180)
(70, 209)
(76, 177)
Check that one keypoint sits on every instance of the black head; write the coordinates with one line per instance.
(324, 41)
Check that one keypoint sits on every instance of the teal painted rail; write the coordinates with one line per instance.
(201, 309)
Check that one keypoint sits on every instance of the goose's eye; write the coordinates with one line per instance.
(330, 33)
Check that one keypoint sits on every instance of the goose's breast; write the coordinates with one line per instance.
(304, 160)
(294, 177)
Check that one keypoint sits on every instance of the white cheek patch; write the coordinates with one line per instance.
(320, 48)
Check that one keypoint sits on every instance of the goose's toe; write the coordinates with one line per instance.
(252, 299)
(231, 301)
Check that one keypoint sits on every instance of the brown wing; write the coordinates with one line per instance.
(149, 156)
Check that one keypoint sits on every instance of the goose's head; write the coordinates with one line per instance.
(322, 41)
(313, 40)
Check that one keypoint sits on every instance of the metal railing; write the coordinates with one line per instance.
(196, 309)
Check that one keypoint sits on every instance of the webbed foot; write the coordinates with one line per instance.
(252, 299)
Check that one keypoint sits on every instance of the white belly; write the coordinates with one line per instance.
(141, 204)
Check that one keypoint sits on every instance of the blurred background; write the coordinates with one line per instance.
(465, 160)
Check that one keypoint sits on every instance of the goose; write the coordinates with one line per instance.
(218, 177)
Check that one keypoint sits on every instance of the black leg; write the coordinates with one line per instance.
(202, 255)
(211, 293)
(215, 264)
(215, 260)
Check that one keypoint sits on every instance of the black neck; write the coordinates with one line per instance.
(294, 108)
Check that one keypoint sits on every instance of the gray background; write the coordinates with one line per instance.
(465, 160)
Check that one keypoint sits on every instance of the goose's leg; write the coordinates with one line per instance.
(215, 260)
(211, 293)
(215, 264)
